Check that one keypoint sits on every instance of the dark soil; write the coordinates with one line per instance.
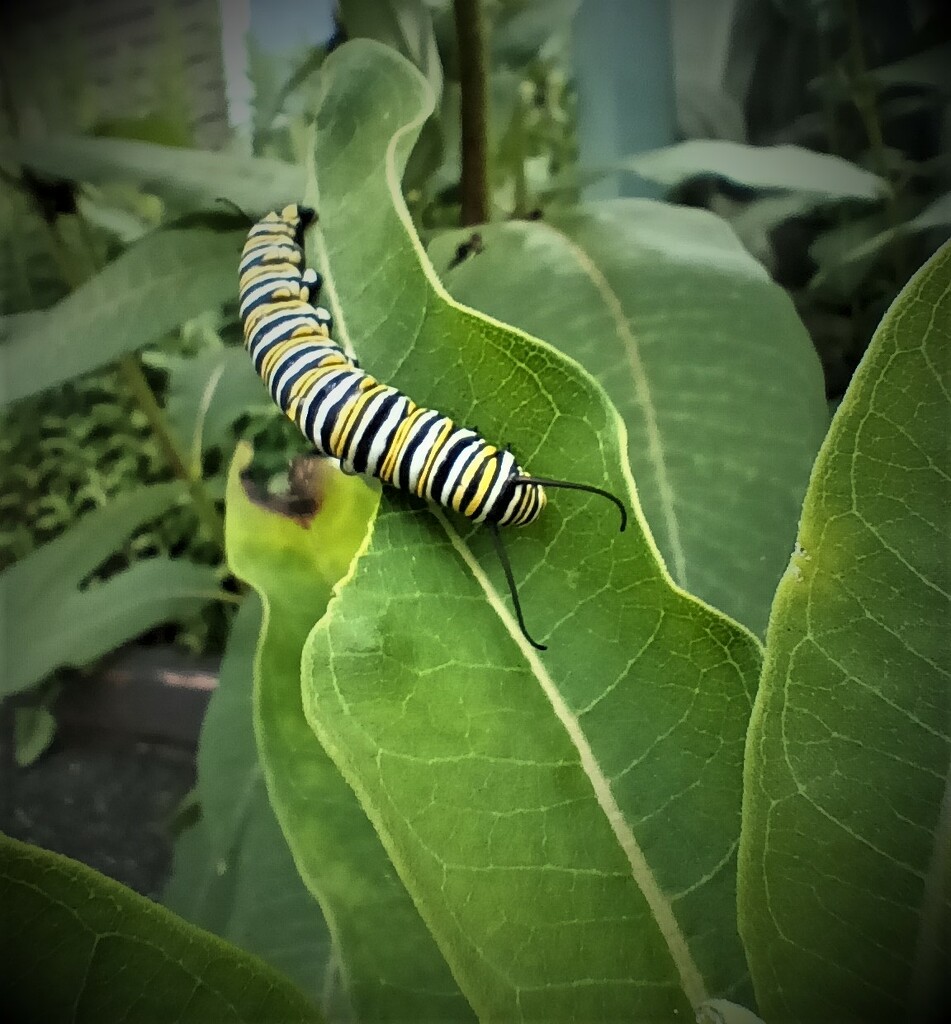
(108, 789)
(106, 801)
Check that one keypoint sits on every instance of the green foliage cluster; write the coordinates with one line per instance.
(873, 87)
(864, 82)
(71, 450)
(720, 790)
(829, 159)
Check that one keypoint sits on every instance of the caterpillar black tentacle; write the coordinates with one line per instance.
(371, 428)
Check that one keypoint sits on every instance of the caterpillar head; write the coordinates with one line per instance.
(518, 502)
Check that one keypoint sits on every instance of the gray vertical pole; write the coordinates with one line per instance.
(623, 59)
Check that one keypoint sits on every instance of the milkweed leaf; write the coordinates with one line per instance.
(233, 873)
(193, 178)
(845, 891)
(566, 824)
(293, 564)
(78, 946)
(169, 276)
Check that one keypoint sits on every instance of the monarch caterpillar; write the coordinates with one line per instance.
(371, 427)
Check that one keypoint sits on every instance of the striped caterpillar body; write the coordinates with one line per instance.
(370, 427)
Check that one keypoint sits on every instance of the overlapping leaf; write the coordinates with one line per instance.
(190, 176)
(390, 967)
(207, 393)
(566, 823)
(233, 873)
(172, 274)
(404, 25)
(764, 167)
(77, 946)
(845, 892)
(704, 357)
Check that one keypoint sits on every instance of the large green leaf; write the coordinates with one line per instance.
(389, 965)
(77, 946)
(49, 621)
(766, 167)
(716, 378)
(169, 276)
(845, 893)
(566, 823)
(193, 177)
(233, 873)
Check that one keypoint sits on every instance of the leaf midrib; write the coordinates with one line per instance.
(655, 445)
(691, 979)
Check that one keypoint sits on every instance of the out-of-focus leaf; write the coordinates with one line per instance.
(936, 215)
(50, 622)
(846, 254)
(659, 302)
(845, 892)
(837, 253)
(233, 873)
(788, 168)
(293, 565)
(77, 946)
(122, 224)
(75, 627)
(169, 276)
(755, 221)
(30, 277)
(404, 25)
(565, 822)
(522, 28)
(271, 96)
(34, 728)
(929, 68)
(172, 132)
(193, 177)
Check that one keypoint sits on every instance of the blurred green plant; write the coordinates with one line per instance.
(843, 186)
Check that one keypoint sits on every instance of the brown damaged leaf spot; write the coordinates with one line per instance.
(307, 481)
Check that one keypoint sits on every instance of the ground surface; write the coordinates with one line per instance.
(106, 801)
(107, 791)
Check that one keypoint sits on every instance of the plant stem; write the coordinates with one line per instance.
(518, 163)
(130, 368)
(863, 96)
(470, 34)
(828, 68)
